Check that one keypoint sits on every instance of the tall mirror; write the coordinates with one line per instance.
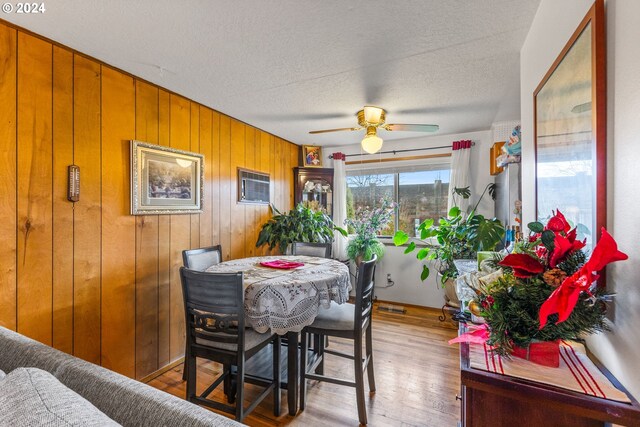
(570, 131)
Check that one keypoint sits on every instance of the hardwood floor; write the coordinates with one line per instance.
(417, 378)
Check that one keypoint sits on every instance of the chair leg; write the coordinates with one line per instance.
(240, 390)
(184, 367)
(357, 362)
(321, 345)
(276, 376)
(369, 353)
(303, 369)
(229, 390)
(190, 365)
(233, 388)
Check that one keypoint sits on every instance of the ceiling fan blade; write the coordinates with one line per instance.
(333, 130)
(411, 128)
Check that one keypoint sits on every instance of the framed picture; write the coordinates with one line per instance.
(165, 180)
(494, 152)
(570, 131)
(311, 156)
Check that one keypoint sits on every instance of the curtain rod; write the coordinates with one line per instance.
(394, 152)
(397, 159)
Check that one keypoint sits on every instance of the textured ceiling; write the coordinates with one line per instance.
(289, 67)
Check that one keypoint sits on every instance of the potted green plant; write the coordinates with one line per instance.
(457, 236)
(301, 224)
(366, 225)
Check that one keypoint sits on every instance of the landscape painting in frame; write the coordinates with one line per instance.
(165, 180)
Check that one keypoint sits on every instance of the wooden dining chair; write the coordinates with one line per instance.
(321, 250)
(351, 321)
(200, 259)
(214, 318)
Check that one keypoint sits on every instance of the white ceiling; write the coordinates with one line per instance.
(292, 66)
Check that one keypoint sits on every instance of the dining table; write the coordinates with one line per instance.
(284, 294)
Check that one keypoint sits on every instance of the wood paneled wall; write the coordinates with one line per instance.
(88, 278)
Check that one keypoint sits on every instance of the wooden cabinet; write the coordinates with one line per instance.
(315, 186)
(495, 400)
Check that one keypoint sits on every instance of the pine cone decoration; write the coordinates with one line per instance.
(554, 277)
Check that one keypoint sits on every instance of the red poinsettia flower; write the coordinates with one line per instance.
(563, 246)
(558, 223)
(523, 265)
(565, 297)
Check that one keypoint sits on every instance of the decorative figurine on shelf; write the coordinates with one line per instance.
(511, 151)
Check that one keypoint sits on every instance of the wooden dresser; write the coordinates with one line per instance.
(490, 399)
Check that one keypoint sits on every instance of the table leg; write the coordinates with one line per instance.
(293, 363)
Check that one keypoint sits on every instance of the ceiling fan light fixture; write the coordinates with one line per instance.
(371, 143)
(373, 115)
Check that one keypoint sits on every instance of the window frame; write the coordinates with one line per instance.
(396, 185)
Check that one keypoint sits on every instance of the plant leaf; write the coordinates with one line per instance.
(425, 273)
(410, 248)
(422, 253)
(536, 227)
(463, 192)
(454, 211)
(427, 223)
(492, 190)
(484, 234)
(341, 231)
(547, 238)
(400, 238)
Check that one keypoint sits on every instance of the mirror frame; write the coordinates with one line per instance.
(595, 17)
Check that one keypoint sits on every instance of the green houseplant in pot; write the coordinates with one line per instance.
(367, 225)
(301, 224)
(457, 236)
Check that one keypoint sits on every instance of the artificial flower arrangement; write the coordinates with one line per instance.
(547, 290)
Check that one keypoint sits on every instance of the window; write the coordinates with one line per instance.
(367, 189)
(420, 192)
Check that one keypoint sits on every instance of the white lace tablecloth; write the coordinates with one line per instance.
(288, 300)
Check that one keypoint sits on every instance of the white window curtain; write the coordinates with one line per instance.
(339, 205)
(460, 159)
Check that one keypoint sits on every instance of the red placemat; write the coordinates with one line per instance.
(282, 264)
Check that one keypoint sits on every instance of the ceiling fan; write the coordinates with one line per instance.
(373, 118)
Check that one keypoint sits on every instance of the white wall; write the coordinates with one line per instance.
(551, 28)
(405, 269)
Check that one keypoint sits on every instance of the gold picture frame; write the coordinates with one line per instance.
(312, 156)
(165, 180)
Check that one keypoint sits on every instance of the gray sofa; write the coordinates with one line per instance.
(123, 400)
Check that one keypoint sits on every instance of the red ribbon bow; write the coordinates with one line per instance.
(565, 297)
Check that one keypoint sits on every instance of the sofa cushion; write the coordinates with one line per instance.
(124, 400)
(17, 351)
(132, 403)
(33, 397)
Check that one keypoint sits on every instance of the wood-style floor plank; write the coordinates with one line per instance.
(417, 378)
